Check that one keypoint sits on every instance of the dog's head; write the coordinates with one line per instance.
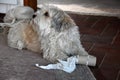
(52, 17)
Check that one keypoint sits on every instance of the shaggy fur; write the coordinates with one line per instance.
(23, 35)
(51, 31)
(18, 13)
(58, 34)
(22, 32)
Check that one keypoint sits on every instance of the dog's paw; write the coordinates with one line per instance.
(20, 45)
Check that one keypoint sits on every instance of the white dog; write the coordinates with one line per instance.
(51, 32)
(22, 32)
(23, 35)
(58, 34)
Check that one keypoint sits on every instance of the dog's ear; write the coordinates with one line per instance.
(62, 22)
(56, 24)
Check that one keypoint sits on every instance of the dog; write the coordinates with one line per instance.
(21, 33)
(58, 34)
(52, 32)
(15, 15)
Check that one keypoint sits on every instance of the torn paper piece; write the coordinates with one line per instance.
(67, 66)
(70, 65)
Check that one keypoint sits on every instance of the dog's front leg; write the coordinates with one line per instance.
(54, 54)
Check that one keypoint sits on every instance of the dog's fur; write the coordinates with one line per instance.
(18, 13)
(51, 31)
(58, 34)
(23, 35)
(22, 32)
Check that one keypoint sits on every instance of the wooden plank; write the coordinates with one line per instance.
(31, 3)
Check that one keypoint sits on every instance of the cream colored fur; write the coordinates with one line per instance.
(51, 31)
(18, 13)
(22, 32)
(58, 34)
(22, 35)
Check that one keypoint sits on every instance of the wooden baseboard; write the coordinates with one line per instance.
(31, 3)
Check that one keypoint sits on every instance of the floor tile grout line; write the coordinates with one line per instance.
(115, 37)
(102, 60)
(104, 29)
(91, 47)
(86, 18)
(118, 75)
(95, 23)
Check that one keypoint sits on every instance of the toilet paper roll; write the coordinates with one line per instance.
(86, 60)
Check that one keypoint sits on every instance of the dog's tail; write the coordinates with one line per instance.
(5, 25)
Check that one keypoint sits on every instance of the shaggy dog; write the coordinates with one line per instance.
(58, 34)
(23, 35)
(51, 32)
(22, 32)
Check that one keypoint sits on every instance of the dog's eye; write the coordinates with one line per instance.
(46, 14)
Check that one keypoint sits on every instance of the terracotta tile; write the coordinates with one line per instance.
(91, 20)
(106, 48)
(87, 45)
(88, 30)
(99, 51)
(112, 60)
(113, 51)
(101, 31)
(101, 23)
(117, 39)
(79, 19)
(118, 76)
(98, 74)
(110, 73)
(97, 39)
(99, 56)
(115, 22)
(81, 36)
(96, 28)
(110, 31)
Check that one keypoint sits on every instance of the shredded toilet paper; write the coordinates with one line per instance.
(68, 66)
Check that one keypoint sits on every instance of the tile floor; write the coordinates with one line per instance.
(101, 37)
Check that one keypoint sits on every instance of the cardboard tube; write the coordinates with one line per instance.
(86, 60)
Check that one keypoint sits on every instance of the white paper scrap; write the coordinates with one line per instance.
(68, 66)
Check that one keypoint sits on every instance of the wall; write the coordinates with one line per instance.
(5, 5)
